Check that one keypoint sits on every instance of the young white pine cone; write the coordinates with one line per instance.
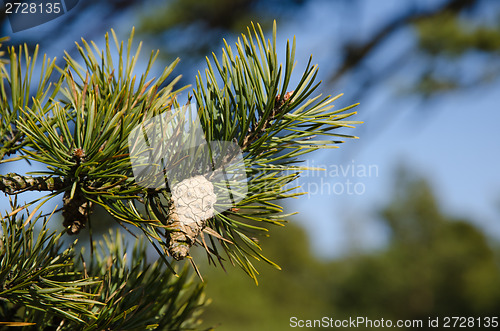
(192, 204)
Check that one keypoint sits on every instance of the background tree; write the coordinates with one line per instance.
(78, 126)
(433, 265)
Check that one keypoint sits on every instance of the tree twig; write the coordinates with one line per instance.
(13, 183)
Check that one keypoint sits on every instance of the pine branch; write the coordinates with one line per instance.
(13, 183)
(55, 288)
(256, 130)
(272, 124)
(35, 272)
(254, 119)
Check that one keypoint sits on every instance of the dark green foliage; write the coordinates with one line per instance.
(456, 35)
(298, 290)
(52, 287)
(37, 273)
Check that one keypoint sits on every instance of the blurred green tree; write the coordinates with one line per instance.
(298, 290)
(433, 266)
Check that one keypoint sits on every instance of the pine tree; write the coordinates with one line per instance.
(78, 121)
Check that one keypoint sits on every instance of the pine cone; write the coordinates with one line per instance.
(192, 204)
(76, 211)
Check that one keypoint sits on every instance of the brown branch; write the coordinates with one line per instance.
(255, 131)
(13, 183)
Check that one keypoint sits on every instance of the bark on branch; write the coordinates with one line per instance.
(13, 183)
